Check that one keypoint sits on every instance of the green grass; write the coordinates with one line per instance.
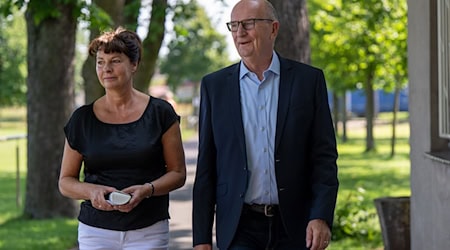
(17, 232)
(13, 121)
(363, 177)
(366, 176)
(20, 233)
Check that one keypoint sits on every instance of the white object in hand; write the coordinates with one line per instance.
(118, 198)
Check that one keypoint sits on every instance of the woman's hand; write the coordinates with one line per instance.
(138, 193)
(97, 197)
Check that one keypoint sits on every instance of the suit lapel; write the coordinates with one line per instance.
(286, 81)
(235, 106)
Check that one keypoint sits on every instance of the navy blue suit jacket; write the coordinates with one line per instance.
(305, 154)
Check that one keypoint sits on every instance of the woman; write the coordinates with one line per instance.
(127, 141)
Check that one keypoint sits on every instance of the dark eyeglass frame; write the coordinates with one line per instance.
(247, 24)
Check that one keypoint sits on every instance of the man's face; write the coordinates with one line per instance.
(256, 42)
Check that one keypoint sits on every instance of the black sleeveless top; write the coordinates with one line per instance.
(122, 155)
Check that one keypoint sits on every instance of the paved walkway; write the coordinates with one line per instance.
(181, 203)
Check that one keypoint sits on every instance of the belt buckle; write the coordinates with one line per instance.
(268, 210)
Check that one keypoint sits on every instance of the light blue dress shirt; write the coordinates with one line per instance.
(259, 104)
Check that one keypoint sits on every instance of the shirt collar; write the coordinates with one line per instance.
(273, 67)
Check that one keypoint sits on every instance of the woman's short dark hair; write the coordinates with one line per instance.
(119, 40)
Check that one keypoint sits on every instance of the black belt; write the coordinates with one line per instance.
(267, 210)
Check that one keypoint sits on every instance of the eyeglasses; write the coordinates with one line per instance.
(247, 24)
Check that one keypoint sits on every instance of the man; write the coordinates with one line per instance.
(267, 150)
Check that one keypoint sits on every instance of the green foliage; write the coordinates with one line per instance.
(364, 177)
(42, 9)
(12, 60)
(13, 38)
(131, 11)
(96, 17)
(84, 10)
(353, 218)
(197, 48)
(8, 7)
(353, 40)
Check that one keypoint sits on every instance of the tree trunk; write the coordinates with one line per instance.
(394, 117)
(51, 51)
(92, 88)
(344, 117)
(293, 37)
(131, 13)
(151, 45)
(370, 113)
(336, 112)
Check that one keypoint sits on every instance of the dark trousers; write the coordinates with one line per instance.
(256, 231)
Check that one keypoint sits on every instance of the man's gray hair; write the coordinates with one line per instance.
(271, 10)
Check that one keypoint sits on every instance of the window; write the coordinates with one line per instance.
(444, 67)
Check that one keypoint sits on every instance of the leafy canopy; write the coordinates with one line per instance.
(354, 39)
(13, 60)
(196, 49)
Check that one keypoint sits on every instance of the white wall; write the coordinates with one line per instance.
(430, 176)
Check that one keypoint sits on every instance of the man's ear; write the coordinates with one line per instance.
(275, 28)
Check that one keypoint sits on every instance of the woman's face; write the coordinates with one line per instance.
(114, 70)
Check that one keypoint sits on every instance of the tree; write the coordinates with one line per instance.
(152, 44)
(332, 53)
(196, 48)
(396, 70)
(293, 37)
(362, 52)
(51, 28)
(12, 60)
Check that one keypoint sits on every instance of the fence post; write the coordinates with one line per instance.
(16, 138)
(18, 196)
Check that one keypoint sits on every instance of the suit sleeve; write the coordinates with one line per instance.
(204, 195)
(324, 155)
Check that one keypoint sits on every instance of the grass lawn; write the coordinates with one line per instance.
(363, 177)
(366, 176)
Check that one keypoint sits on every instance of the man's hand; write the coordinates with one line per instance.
(318, 235)
(203, 247)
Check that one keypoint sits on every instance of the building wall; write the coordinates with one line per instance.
(430, 173)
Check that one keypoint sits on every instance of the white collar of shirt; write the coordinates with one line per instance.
(273, 67)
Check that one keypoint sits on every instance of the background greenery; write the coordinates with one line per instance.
(366, 176)
(363, 177)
